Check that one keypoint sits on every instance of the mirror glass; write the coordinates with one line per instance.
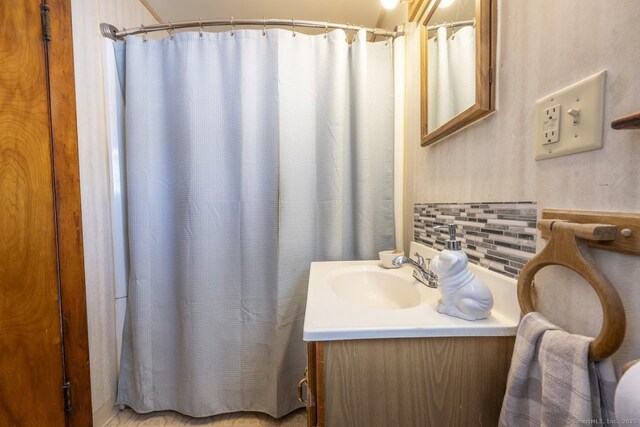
(458, 53)
(451, 80)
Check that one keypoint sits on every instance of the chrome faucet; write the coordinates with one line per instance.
(422, 274)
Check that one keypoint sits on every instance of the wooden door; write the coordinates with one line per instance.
(40, 233)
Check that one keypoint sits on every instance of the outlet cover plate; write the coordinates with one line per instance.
(587, 97)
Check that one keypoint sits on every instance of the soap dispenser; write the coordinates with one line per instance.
(463, 294)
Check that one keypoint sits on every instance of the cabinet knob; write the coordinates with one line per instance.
(302, 381)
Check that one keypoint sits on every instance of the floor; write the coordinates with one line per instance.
(129, 418)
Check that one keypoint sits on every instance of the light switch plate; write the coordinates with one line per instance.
(570, 121)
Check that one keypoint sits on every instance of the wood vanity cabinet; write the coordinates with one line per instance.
(408, 382)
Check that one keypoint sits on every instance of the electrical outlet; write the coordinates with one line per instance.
(551, 124)
(571, 120)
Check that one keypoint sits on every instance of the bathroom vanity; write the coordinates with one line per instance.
(379, 354)
(440, 381)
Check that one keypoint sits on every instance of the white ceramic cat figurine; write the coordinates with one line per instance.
(463, 294)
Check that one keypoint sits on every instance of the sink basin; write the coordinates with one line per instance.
(349, 300)
(371, 286)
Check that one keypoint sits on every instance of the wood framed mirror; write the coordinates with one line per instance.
(458, 57)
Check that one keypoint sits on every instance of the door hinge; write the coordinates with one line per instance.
(46, 22)
(66, 388)
(490, 75)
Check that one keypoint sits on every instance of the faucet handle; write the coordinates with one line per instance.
(419, 258)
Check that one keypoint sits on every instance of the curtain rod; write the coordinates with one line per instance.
(452, 24)
(113, 33)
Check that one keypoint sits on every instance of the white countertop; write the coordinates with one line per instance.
(330, 317)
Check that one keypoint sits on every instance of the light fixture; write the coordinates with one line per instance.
(445, 3)
(389, 4)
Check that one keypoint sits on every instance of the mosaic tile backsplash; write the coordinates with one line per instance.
(498, 236)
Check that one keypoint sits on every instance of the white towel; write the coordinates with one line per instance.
(551, 381)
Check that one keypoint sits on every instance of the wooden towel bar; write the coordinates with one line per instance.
(566, 239)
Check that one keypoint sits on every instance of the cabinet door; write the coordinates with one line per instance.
(414, 382)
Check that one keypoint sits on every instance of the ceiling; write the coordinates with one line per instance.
(460, 10)
(357, 12)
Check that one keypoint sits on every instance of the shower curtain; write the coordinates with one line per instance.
(248, 156)
(451, 74)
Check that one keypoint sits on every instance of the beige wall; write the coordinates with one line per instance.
(545, 45)
(94, 180)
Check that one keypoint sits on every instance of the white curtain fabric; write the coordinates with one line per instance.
(451, 79)
(248, 157)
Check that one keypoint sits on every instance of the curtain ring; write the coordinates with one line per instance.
(326, 29)
(264, 27)
(144, 33)
(233, 26)
(346, 33)
(293, 21)
(170, 30)
(200, 21)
